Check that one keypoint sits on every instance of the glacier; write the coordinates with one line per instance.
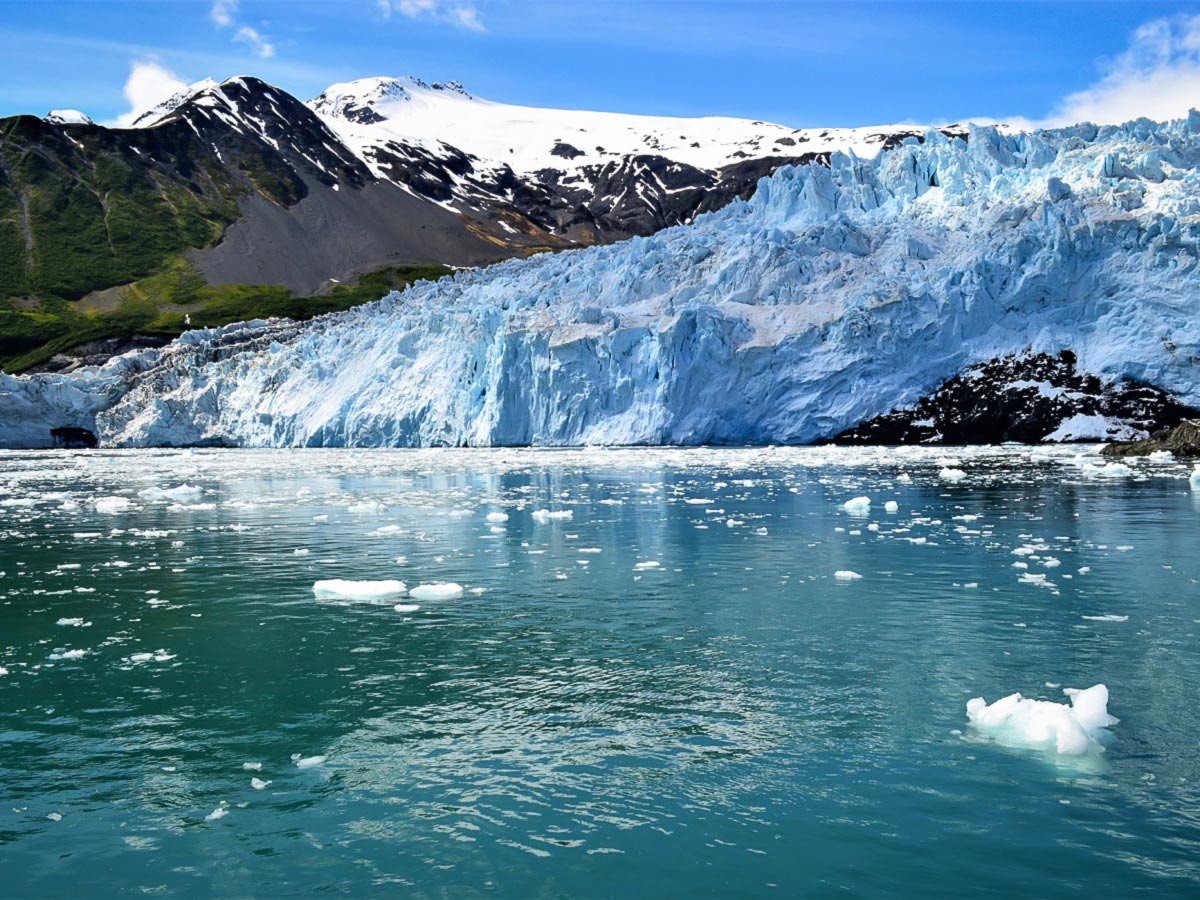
(834, 294)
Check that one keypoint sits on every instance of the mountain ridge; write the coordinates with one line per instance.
(239, 187)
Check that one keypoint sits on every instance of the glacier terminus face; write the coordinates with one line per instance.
(833, 295)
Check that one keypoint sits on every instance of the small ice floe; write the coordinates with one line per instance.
(646, 565)
(1108, 470)
(858, 506)
(1162, 456)
(846, 575)
(438, 591)
(55, 816)
(497, 517)
(219, 813)
(1077, 729)
(386, 531)
(1109, 617)
(951, 474)
(366, 507)
(69, 654)
(1037, 579)
(252, 766)
(363, 591)
(159, 655)
(406, 607)
(891, 506)
(1194, 480)
(307, 762)
(178, 494)
(258, 784)
(3, 671)
(112, 505)
(74, 623)
(544, 516)
(300, 551)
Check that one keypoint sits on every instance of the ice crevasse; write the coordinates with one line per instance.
(833, 295)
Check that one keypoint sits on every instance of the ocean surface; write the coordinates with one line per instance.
(653, 684)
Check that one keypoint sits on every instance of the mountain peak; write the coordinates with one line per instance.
(357, 100)
(160, 111)
(68, 117)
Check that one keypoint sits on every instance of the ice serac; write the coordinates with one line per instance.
(832, 296)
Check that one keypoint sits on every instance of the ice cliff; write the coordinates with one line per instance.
(832, 296)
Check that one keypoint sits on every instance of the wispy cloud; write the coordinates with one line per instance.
(458, 13)
(148, 85)
(224, 14)
(262, 48)
(1158, 76)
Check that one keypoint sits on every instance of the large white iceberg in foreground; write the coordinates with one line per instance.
(832, 296)
(1075, 729)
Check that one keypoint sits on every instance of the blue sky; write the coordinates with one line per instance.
(794, 62)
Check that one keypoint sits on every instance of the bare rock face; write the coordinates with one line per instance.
(1183, 440)
(1027, 398)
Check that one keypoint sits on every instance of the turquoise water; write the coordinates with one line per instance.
(732, 722)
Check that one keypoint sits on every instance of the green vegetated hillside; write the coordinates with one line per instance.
(85, 209)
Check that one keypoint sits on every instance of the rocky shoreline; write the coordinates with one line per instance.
(1182, 440)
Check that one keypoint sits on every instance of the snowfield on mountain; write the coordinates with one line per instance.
(833, 295)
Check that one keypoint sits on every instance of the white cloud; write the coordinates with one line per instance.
(466, 17)
(461, 14)
(223, 11)
(262, 48)
(148, 85)
(1158, 76)
(224, 14)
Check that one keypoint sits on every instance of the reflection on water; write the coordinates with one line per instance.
(583, 722)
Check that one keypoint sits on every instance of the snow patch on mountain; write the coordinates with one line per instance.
(68, 117)
(376, 116)
(371, 111)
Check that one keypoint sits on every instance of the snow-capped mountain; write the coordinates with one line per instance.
(835, 295)
(387, 171)
(587, 176)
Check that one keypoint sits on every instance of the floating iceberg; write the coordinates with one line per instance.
(180, 493)
(362, 591)
(439, 591)
(544, 516)
(1079, 728)
(859, 506)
